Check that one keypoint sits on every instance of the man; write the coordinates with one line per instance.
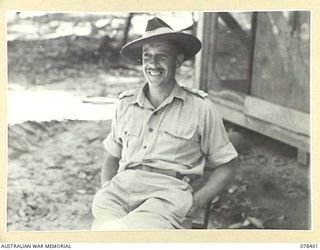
(162, 138)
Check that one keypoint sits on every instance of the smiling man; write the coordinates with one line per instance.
(163, 136)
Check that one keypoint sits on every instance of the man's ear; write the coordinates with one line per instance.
(179, 60)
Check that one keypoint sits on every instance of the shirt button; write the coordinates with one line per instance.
(155, 113)
(125, 132)
(144, 147)
(150, 129)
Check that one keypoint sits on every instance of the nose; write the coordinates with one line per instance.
(154, 61)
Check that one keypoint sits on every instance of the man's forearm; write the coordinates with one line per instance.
(216, 182)
(109, 168)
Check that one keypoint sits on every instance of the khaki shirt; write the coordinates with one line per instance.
(182, 134)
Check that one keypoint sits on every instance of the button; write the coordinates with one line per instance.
(186, 179)
(150, 129)
(125, 132)
(155, 113)
(144, 147)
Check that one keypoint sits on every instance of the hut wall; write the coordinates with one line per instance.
(280, 72)
(277, 101)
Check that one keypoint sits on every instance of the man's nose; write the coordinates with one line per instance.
(154, 61)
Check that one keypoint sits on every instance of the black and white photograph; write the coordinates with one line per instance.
(125, 121)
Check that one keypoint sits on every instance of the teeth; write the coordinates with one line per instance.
(154, 73)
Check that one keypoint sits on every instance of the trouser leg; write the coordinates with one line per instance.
(156, 202)
(152, 214)
(108, 205)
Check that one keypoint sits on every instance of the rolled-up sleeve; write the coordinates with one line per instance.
(113, 143)
(215, 143)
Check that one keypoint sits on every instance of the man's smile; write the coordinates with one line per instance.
(155, 72)
(159, 60)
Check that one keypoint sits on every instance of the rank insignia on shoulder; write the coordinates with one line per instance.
(197, 92)
(127, 93)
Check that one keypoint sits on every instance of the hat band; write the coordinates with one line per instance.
(158, 31)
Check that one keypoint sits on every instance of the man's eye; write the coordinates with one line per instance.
(163, 58)
(146, 55)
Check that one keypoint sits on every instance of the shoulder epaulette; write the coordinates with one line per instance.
(127, 93)
(197, 92)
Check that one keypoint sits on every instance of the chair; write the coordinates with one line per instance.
(204, 225)
(207, 209)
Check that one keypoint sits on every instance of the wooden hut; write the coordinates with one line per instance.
(255, 67)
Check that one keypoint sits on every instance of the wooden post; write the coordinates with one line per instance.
(197, 74)
(303, 158)
(212, 27)
(251, 53)
(205, 75)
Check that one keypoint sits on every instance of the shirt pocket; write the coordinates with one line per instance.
(131, 129)
(179, 131)
(130, 134)
(178, 136)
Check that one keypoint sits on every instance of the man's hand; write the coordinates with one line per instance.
(109, 168)
(216, 182)
(194, 209)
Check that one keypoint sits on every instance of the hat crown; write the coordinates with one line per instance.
(158, 30)
(156, 23)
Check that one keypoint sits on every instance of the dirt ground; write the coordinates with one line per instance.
(54, 166)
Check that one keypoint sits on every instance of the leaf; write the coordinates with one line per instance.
(246, 223)
(215, 199)
(235, 225)
(233, 188)
(256, 222)
(243, 188)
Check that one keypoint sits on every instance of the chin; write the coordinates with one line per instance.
(155, 82)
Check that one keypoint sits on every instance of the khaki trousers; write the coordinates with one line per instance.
(137, 199)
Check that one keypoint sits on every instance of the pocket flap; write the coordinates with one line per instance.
(131, 129)
(179, 130)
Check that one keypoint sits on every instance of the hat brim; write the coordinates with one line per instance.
(189, 44)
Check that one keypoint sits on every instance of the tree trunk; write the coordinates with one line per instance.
(126, 30)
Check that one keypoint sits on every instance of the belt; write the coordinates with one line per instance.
(187, 178)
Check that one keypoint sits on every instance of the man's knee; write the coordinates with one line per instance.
(107, 206)
(97, 204)
(138, 220)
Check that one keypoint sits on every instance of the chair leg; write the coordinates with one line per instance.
(207, 215)
(206, 219)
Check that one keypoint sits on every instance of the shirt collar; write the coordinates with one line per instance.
(141, 99)
(177, 92)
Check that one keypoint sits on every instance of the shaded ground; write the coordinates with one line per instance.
(54, 167)
(270, 186)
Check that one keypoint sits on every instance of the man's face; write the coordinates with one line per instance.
(159, 63)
